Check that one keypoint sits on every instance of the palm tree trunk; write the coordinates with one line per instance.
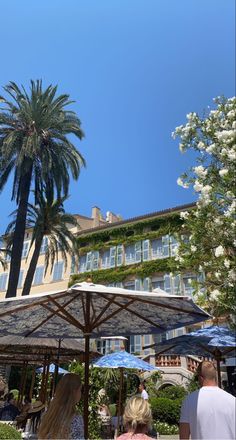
(32, 267)
(19, 233)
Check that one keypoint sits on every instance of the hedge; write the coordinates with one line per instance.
(8, 432)
(166, 410)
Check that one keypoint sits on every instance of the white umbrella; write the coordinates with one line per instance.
(89, 310)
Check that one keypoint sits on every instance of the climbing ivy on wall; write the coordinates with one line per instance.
(119, 274)
(149, 229)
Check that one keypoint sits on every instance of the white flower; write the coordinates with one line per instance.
(197, 186)
(231, 114)
(193, 248)
(223, 172)
(210, 148)
(201, 145)
(227, 263)
(219, 251)
(232, 275)
(231, 154)
(182, 148)
(217, 221)
(200, 171)
(206, 189)
(215, 294)
(180, 182)
(217, 275)
(184, 215)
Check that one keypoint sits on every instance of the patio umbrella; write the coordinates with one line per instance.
(88, 310)
(52, 368)
(122, 359)
(216, 342)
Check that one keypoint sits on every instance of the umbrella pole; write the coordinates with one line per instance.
(218, 371)
(24, 383)
(46, 380)
(55, 375)
(87, 333)
(120, 401)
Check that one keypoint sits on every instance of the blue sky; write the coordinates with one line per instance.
(135, 68)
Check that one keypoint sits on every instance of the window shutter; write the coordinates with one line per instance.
(138, 284)
(3, 281)
(38, 276)
(20, 279)
(119, 255)
(58, 270)
(146, 250)
(89, 261)
(167, 283)
(173, 245)
(176, 282)
(138, 251)
(95, 258)
(165, 245)
(112, 256)
(147, 284)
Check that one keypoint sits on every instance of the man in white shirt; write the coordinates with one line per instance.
(143, 391)
(208, 413)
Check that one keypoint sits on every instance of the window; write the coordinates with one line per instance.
(176, 285)
(158, 283)
(3, 281)
(135, 344)
(146, 342)
(117, 345)
(130, 285)
(146, 250)
(20, 279)
(25, 249)
(105, 260)
(57, 271)
(112, 256)
(130, 254)
(101, 346)
(173, 245)
(44, 245)
(38, 276)
(95, 260)
(187, 284)
(138, 284)
(119, 255)
(156, 248)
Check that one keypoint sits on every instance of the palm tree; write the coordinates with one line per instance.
(34, 145)
(48, 219)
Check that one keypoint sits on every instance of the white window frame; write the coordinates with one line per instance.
(119, 255)
(146, 250)
(130, 257)
(82, 264)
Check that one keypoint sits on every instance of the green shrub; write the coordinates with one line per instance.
(8, 432)
(165, 410)
(165, 429)
(15, 393)
(173, 392)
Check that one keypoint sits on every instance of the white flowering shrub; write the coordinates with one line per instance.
(211, 245)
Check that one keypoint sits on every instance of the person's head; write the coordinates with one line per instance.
(56, 422)
(141, 386)
(137, 415)
(206, 373)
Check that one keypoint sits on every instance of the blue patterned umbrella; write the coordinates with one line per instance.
(52, 369)
(216, 342)
(122, 359)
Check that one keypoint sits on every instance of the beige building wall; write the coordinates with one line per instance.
(49, 283)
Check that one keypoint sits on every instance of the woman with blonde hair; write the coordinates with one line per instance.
(137, 419)
(61, 421)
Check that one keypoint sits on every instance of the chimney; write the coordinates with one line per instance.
(111, 218)
(96, 216)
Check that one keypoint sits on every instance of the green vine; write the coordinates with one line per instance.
(121, 235)
(119, 274)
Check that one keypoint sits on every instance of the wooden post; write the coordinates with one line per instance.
(32, 383)
(218, 371)
(55, 375)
